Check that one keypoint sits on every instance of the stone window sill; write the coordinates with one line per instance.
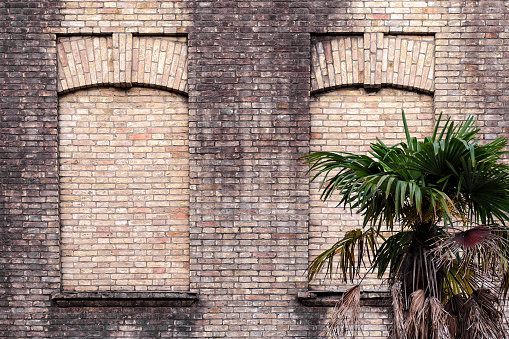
(375, 298)
(124, 299)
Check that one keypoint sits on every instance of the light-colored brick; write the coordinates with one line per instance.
(399, 61)
(122, 60)
(126, 187)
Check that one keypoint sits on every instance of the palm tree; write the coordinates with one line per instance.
(444, 201)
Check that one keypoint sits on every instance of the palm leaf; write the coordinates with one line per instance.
(351, 252)
(390, 253)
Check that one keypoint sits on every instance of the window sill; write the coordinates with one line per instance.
(380, 298)
(124, 299)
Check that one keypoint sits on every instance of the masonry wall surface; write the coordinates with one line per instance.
(250, 98)
(29, 255)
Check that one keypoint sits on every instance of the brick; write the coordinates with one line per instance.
(81, 69)
(382, 56)
(247, 75)
(127, 201)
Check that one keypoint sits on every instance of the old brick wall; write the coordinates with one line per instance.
(251, 114)
(28, 165)
(122, 74)
(124, 190)
(248, 106)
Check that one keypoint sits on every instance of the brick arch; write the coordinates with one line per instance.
(373, 61)
(122, 60)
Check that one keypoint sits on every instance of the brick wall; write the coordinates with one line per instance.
(248, 106)
(28, 167)
(250, 111)
(86, 17)
(124, 190)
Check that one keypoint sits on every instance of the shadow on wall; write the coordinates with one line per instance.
(125, 322)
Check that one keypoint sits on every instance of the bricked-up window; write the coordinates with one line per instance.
(349, 120)
(124, 199)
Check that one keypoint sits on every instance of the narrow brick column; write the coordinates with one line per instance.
(29, 229)
(249, 124)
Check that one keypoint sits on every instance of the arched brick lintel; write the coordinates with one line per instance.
(122, 60)
(373, 61)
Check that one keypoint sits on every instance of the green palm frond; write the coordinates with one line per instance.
(485, 189)
(351, 251)
(391, 252)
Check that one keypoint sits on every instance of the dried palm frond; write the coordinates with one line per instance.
(486, 243)
(397, 306)
(439, 319)
(473, 259)
(453, 325)
(486, 247)
(419, 271)
(345, 317)
(454, 307)
(481, 317)
(416, 323)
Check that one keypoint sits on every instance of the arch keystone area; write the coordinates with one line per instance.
(373, 60)
(122, 60)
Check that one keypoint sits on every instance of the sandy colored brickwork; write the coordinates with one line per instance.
(124, 198)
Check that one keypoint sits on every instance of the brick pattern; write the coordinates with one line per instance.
(87, 17)
(348, 120)
(373, 52)
(124, 198)
(29, 229)
(337, 62)
(249, 82)
(121, 322)
(394, 16)
(121, 60)
(248, 106)
(372, 61)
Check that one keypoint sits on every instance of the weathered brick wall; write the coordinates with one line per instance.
(248, 106)
(126, 44)
(28, 166)
(250, 73)
(86, 17)
(124, 190)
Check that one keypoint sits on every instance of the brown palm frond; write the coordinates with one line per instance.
(481, 317)
(454, 307)
(482, 252)
(453, 325)
(345, 317)
(439, 319)
(397, 307)
(416, 321)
